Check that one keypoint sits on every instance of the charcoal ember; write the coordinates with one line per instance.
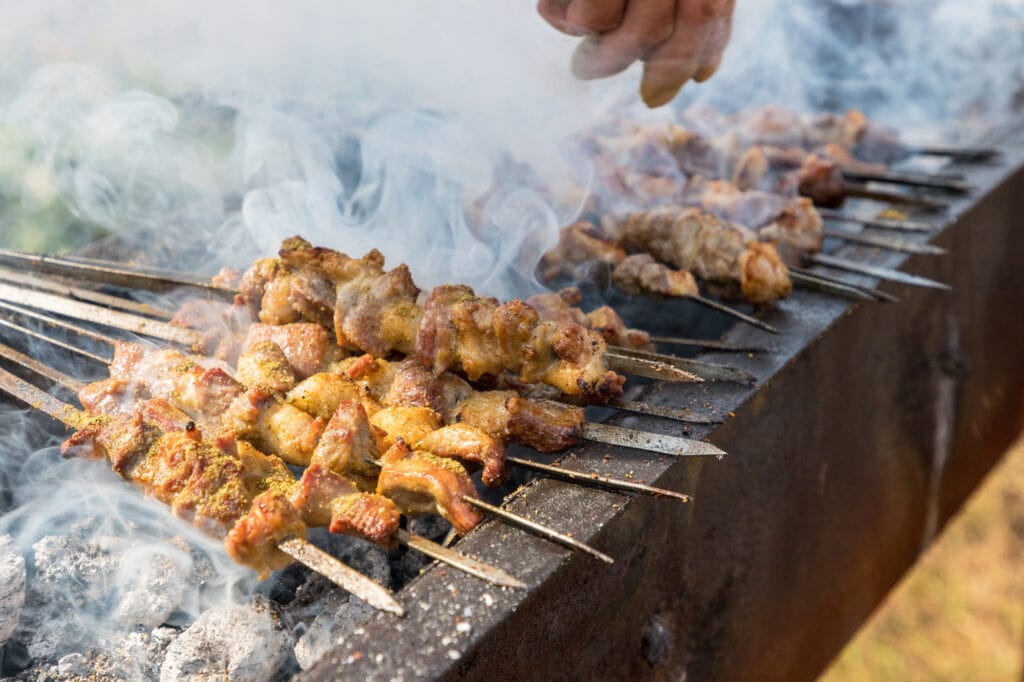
(12, 587)
(370, 560)
(431, 527)
(339, 616)
(246, 642)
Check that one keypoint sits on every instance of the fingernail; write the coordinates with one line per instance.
(658, 94)
(584, 58)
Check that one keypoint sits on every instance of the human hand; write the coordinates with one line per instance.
(677, 40)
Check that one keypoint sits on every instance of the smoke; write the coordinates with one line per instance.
(934, 69)
(440, 133)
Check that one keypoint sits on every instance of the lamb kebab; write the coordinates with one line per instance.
(207, 483)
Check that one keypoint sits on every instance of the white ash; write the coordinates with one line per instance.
(133, 658)
(338, 617)
(245, 642)
(86, 587)
(12, 587)
(156, 593)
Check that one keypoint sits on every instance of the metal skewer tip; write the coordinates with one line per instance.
(652, 442)
(707, 371)
(880, 223)
(539, 529)
(886, 243)
(924, 180)
(650, 369)
(343, 576)
(596, 480)
(875, 271)
(460, 561)
(830, 285)
(864, 192)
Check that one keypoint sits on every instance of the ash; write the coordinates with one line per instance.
(81, 619)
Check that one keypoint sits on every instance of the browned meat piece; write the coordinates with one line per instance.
(253, 539)
(544, 425)
(820, 180)
(848, 162)
(421, 483)
(751, 168)
(229, 278)
(413, 385)
(222, 325)
(717, 251)
(486, 411)
(273, 425)
(349, 446)
(324, 498)
(308, 347)
(561, 307)
(579, 246)
(108, 396)
(796, 230)
(175, 377)
(468, 444)
(411, 424)
(606, 322)
(321, 394)
(845, 129)
(265, 365)
(642, 274)
(377, 312)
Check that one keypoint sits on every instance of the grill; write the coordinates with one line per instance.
(866, 428)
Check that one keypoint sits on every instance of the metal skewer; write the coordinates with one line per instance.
(829, 286)
(723, 346)
(645, 367)
(877, 294)
(57, 287)
(878, 272)
(886, 243)
(107, 274)
(679, 415)
(706, 371)
(596, 480)
(600, 433)
(539, 529)
(963, 154)
(912, 180)
(722, 308)
(880, 223)
(859, 191)
(299, 549)
(99, 315)
(431, 549)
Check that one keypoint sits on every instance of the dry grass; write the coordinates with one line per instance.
(959, 614)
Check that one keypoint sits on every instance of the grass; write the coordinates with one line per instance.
(959, 613)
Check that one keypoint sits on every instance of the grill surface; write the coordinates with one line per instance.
(867, 430)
